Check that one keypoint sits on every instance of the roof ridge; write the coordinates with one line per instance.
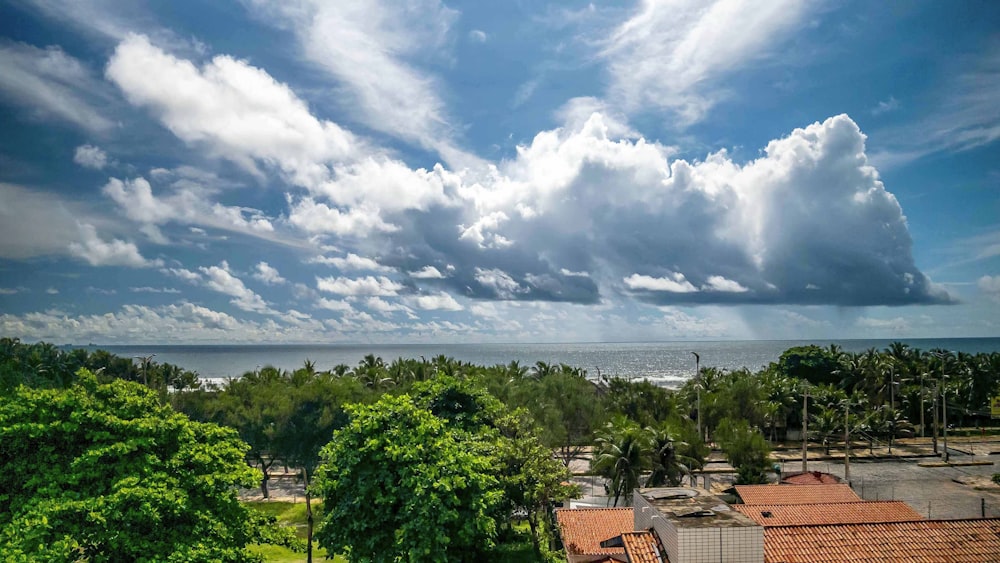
(921, 522)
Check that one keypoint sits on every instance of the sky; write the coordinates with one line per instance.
(383, 171)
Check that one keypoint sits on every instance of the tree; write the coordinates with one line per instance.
(622, 454)
(746, 449)
(399, 485)
(812, 363)
(107, 473)
(673, 458)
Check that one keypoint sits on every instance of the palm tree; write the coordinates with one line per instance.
(671, 457)
(621, 456)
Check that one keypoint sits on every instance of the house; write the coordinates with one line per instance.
(775, 524)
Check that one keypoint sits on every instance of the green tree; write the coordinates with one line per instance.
(622, 454)
(746, 449)
(672, 457)
(812, 363)
(399, 485)
(107, 473)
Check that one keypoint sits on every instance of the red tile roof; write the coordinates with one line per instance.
(583, 529)
(926, 541)
(810, 478)
(796, 494)
(643, 547)
(833, 513)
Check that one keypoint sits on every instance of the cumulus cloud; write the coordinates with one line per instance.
(368, 285)
(98, 252)
(268, 274)
(673, 282)
(438, 302)
(350, 262)
(52, 85)
(220, 278)
(233, 110)
(808, 222)
(185, 202)
(89, 156)
(668, 55)
(990, 285)
(427, 273)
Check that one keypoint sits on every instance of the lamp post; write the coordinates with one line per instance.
(697, 387)
(944, 416)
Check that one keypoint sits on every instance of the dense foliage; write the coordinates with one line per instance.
(105, 473)
(517, 428)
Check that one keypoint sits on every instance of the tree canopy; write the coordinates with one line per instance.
(106, 473)
(400, 485)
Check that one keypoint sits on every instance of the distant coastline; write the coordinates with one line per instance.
(668, 363)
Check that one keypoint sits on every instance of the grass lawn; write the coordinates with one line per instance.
(292, 514)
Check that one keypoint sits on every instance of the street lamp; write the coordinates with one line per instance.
(697, 387)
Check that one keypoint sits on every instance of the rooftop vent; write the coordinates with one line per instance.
(696, 513)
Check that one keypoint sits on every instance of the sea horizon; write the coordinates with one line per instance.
(668, 363)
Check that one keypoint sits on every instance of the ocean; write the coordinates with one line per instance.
(666, 363)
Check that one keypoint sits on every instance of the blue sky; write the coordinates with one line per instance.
(420, 171)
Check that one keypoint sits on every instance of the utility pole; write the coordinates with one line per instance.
(697, 386)
(892, 404)
(847, 444)
(944, 407)
(921, 404)
(805, 429)
(935, 423)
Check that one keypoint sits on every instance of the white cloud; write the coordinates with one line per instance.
(886, 106)
(98, 252)
(669, 55)
(990, 285)
(371, 48)
(220, 278)
(333, 305)
(498, 281)
(89, 156)
(427, 273)
(183, 273)
(437, 302)
(232, 109)
(320, 218)
(185, 202)
(268, 274)
(478, 36)
(719, 283)
(350, 262)
(673, 282)
(52, 84)
(10, 290)
(368, 285)
(385, 307)
(148, 289)
(52, 291)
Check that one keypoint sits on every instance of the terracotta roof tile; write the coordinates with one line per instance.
(796, 494)
(926, 541)
(810, 478)
(583, 529)
(643, 547)
(832, 513)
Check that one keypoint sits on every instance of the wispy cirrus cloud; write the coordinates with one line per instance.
(669, 55)
(374, 50)
(53, 85)
(963, 114)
